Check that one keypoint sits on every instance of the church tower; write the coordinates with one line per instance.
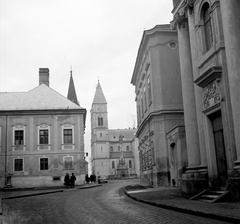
(71, 90)
(99, 133)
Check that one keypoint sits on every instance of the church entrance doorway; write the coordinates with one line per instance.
(217, 125)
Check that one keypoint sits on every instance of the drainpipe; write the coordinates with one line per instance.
(6, 149)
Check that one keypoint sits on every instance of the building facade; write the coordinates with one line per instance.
(41, 136)
(113, 151)
(159, 105)
(209, 40)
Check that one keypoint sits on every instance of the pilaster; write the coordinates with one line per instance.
(231, 28)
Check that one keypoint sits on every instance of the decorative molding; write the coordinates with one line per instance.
(18, 126)
(212, 94)
(67, 125)
(209, 76)
(179, 20)
(43, 126)
(180, 17)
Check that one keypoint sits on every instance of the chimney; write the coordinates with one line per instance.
(44, 76)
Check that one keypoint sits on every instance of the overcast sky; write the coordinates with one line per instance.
(98, 38)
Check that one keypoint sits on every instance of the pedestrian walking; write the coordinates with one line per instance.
(66, 180)
(72, 180)
(94, 178)
(91, 178)
(86, 178)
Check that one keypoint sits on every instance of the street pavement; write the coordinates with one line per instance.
(172, 198)
(164, 197)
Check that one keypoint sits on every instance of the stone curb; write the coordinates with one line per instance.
(40, 193)
(188, 211)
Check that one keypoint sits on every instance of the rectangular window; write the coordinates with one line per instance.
(18, 137)
(149, 91)
(142, 106)
(67, 136)
(43, 137)
(145, 98)
(18, 165)
(43, 163)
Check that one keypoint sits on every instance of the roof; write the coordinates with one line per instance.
(71, 91)
(128, 134)
(40, 98)
(126, 154)
(99, 96)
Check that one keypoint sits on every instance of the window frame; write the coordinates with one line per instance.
(44, 146)
(14, 164)
(66, 145)
(47, 163)
(149, 89)
(100, 120)
(19, 127)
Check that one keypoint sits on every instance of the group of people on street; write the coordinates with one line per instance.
(91, 179)
(69, 181)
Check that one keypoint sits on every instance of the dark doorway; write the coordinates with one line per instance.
(219, 147)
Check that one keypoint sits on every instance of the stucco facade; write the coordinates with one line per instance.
(209, 40)
(41, 137)
(157, 82)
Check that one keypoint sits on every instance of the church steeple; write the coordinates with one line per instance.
(99, 96)
(71, 90)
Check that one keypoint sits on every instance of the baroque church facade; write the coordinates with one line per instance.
(209, 41)
(113, 151)
(41, 136)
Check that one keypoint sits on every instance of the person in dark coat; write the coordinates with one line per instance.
(91, 178)
(94, 178)
(72, 180)
(86, 178)
(66, 180)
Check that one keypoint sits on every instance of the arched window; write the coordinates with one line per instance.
(130, 163)
(113, 165)
(111, 148)
(118, 148)
(100, 121)
(207, 27)
(127, 148)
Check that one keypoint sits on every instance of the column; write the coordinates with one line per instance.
(231, 27)
(189, 105)
(198, 90)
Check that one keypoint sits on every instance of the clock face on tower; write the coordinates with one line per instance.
(99, 108)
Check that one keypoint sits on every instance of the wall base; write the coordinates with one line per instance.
(148, 178)
(194, 183)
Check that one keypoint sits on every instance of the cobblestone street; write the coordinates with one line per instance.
(104, 204)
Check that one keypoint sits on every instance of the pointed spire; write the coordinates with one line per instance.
(71, 90)
(99, 96)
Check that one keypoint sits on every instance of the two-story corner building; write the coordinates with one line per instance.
(157, 82)
(41, 136)
(113, 151)
(209, 41)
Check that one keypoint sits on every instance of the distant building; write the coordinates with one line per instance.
(41, 136)
(158, 89)
(209, 43)
(113, 151)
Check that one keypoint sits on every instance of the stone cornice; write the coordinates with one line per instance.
(156, 113)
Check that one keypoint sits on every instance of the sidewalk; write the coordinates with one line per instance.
(28, 192)
(174, 199)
